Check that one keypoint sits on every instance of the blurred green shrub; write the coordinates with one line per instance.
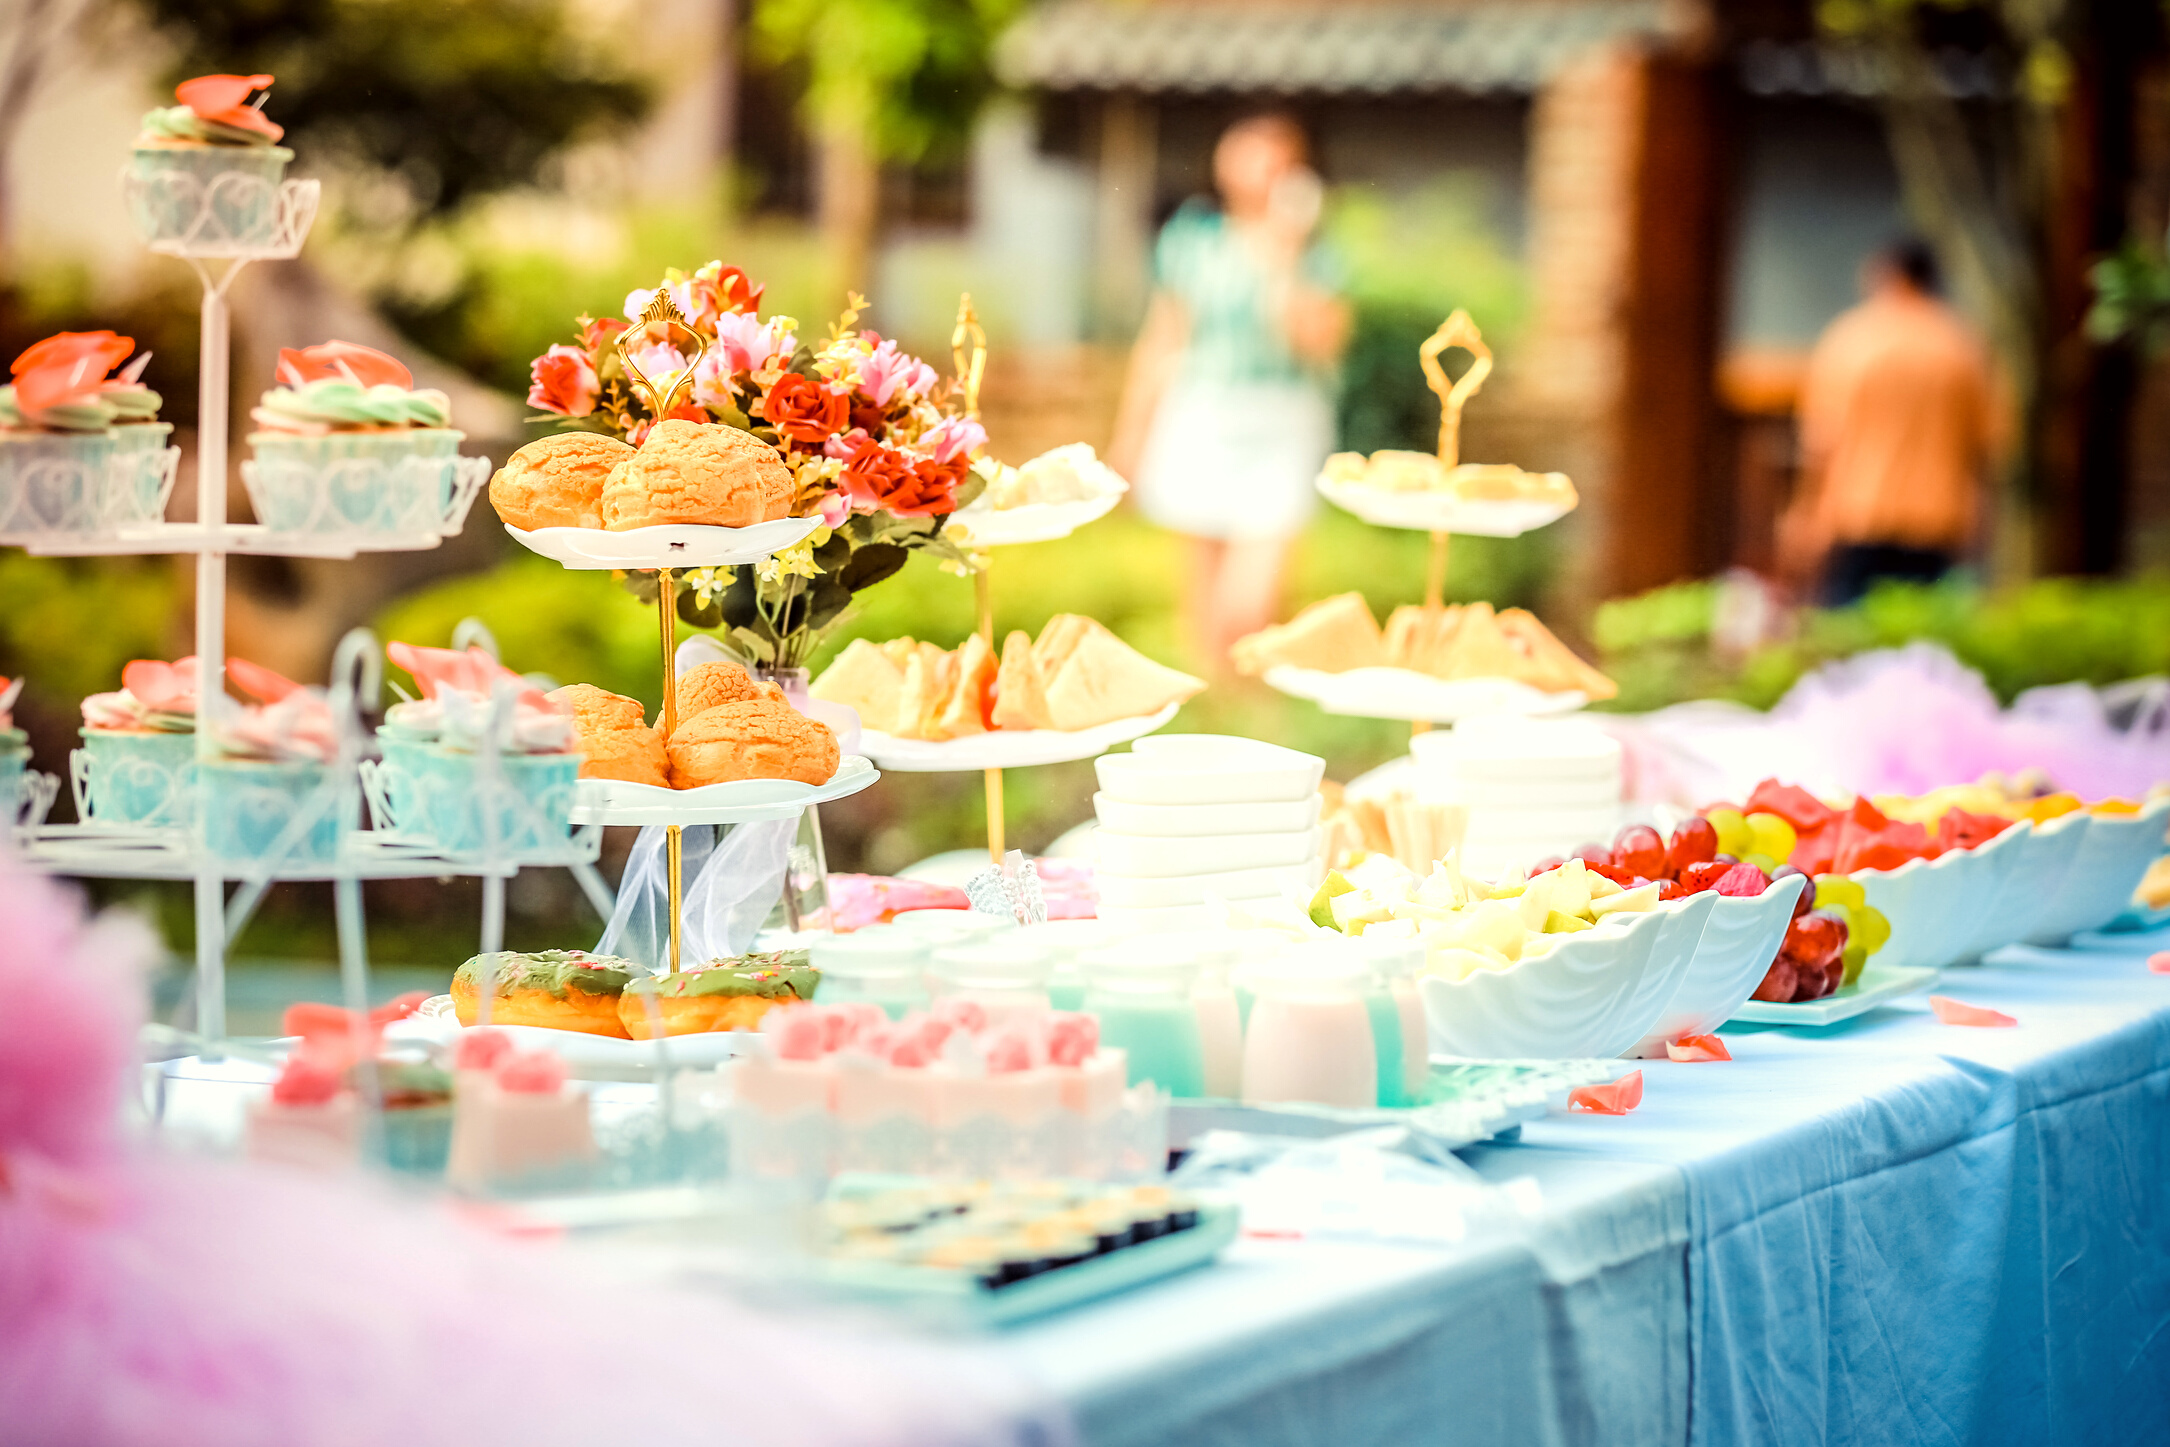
(2054, 630)
(1412, 258)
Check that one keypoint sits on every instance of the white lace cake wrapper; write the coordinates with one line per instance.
(1130, 1143)
(730, 885)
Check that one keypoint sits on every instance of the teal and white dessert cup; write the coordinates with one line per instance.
(395, 481)
(136, 777)
(434, 792)
(247, 807)
(213, 200)
(53, 482)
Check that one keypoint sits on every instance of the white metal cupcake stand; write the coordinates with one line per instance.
(511, 836)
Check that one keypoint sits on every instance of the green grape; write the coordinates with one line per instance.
(1772, 835)
(1853, 957)
(1734, 836)
(1874, 929)
(1760, 860)
(1839, 889)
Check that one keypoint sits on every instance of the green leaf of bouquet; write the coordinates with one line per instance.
(871, 564)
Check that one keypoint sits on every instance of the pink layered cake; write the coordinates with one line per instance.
(939, 1069)
(513, 1115)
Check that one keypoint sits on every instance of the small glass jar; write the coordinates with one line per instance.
(1067, 942)
(880, 964)
(1142, 999)
(1006, 977)
(1309, 1037)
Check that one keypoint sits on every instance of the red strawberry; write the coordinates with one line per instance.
(1742, 881)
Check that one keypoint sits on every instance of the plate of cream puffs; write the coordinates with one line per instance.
(690, 496)
(737, 750)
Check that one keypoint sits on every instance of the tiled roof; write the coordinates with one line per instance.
(1493, 45)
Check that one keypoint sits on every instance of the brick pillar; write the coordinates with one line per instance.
(1624, 271)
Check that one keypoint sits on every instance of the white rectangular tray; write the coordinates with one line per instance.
(1875, 987)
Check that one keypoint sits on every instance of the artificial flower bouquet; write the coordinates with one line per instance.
(863, 426)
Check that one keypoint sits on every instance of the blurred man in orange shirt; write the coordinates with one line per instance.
(1898, 422)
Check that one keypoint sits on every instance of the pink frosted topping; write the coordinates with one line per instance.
(934, 1032)
(482, 1049)
(797, 1032)
(531, 1072)
(963, 1014)
(1008, 1051)
(908, 1050)
(1072, 1039)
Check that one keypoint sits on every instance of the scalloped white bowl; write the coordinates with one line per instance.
(1930, 904)
(2106, 868)
(1591, 997)
(1739, 940)
(2005, 890)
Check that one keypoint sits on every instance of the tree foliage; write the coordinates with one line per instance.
(906, 76)
(454, 99)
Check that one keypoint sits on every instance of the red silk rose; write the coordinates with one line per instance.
(877, 479)
(598, 334)
(564, 382)
(717, 289)
(803, 410)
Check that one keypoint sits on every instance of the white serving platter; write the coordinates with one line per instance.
(1035, 522)
(1006, 748)
(615, 801)
(1437, 512)
(668, 545)
(1877, 986)
(589, 1057)
(1404, 693)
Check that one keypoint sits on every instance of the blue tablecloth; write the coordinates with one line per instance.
(1891, 1230)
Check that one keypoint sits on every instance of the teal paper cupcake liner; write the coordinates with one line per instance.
(246, 808)
(433, 793)
(135, 778)
(354, 482)
(14, 766)
(207, 198)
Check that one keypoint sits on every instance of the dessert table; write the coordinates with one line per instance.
(1890, 1230)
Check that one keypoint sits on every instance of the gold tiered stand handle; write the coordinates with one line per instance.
(1458, 330)
(971, 367)
(664, 322)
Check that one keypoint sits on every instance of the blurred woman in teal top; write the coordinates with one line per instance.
(1226, 414)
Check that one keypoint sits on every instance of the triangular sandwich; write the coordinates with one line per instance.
(1020, 694)
(1105, 679)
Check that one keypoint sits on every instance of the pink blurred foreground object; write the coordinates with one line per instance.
(1617, 1098)
(1696, 1048)
(2159, 962)
(1958, 1012)
(148, 1297)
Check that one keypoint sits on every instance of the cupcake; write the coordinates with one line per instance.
(57, 435)
(348, 444)
(430, 781)
(271, 797)
(138, 760)
(205, 176)
(142, 473)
